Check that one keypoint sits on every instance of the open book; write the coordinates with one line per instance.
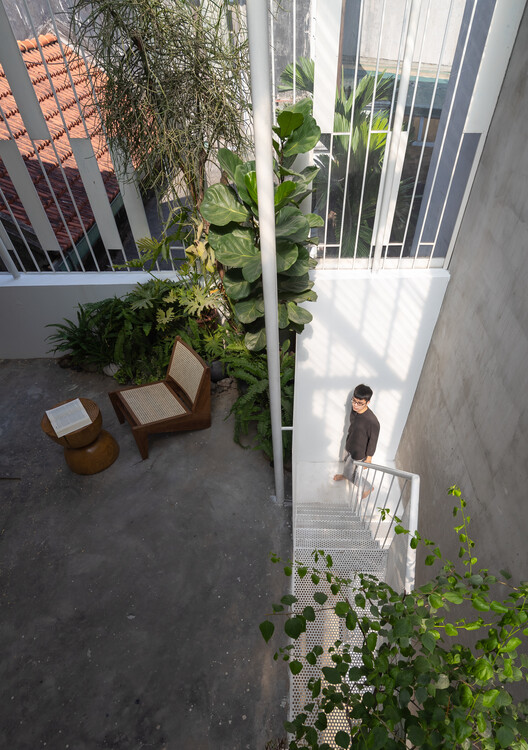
(68, 417)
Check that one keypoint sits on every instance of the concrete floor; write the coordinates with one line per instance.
(131, 598)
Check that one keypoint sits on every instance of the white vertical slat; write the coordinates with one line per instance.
(96, 192)
(327, 31)
(137, 218)
(29, 198)
(392, 177)
(499, 44)
(20, 82)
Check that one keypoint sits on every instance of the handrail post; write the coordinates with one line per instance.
(410, 565)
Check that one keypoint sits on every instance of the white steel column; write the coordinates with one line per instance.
(259, 51)
(398, 139)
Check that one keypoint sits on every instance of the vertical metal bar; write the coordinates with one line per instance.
(20, 232)
(388, 495)
(444, 136)
(29, 198)
(67, 133)
(259, 52)
(7, 260)
(48, 183)
(371, 117)
(294, 50)
(427, 125)
(397, 129)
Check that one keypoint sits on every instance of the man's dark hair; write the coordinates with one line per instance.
(363, 392)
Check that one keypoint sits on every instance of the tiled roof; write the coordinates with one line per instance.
(62, 117)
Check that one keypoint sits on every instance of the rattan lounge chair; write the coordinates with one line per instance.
(180, 402)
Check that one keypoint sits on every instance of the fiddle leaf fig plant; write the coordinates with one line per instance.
(234, 233)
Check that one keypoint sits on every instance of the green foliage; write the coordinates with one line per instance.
(354, 181)
(136, 332)
(252, 407)
(171, 82)
(409, 684)
(232, 211)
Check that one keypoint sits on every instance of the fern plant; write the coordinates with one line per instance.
(135, 332)
(252, 407)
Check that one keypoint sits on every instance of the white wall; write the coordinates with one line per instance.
(371, 328)
(29, 303)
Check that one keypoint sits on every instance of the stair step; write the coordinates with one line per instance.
(348, 561)
(340, 533)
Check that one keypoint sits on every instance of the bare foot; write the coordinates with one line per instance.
(338, 477)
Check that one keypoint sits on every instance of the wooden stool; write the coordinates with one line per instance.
(89, 449)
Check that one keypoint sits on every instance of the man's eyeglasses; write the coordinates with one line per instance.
(359, 401)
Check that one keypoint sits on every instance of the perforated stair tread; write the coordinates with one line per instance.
(337, 530)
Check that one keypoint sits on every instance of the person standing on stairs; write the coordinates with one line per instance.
(362, 437)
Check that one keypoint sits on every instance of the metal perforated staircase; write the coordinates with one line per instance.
(349, 528)
(341, 533)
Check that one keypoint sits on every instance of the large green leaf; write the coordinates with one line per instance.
(288, 122)
(314, 220)
(304, 138)
(234, 246)
(308, 296)
(252, 270)
(221, 206)
(283, 316)
(295, 284)
(256, 341)
(235, 284)
(283, 191)
(291, 224)
(228, 161)
(298, 314)
(240, 180)
(251, 185)
(301, 266)
(250, 309)
(287, 253)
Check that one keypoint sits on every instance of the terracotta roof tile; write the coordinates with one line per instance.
(64, 122)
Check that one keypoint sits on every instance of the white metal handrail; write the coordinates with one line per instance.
(399, 491)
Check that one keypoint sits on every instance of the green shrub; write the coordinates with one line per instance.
(135, 332)
(410, 683)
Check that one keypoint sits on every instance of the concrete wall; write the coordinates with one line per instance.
(371, 328)
(29, 303)
(469, 420)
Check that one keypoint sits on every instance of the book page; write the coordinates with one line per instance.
(68, 417)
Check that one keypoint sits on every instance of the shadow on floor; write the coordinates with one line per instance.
(131, 598)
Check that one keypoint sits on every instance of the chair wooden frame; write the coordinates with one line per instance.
(184, 397)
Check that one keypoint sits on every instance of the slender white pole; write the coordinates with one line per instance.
(394, 148)
(259, 50)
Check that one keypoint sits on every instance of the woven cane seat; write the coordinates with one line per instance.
(151, 403)
(180, 402)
